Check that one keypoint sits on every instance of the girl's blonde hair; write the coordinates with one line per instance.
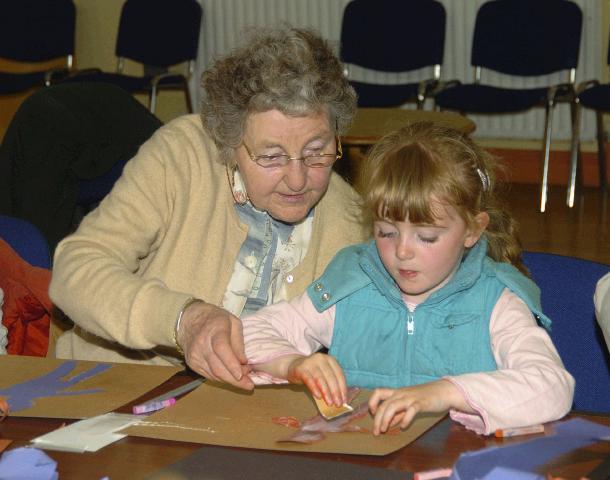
(410, 167)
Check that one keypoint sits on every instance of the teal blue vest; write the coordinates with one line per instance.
(379, 343)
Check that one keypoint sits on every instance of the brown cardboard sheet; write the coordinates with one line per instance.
(219, 415)
(51, 386)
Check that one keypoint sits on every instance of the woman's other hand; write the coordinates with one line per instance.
(213, 344)
(322, 375)
(399, 406)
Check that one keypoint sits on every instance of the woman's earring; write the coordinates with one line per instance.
(236, 183)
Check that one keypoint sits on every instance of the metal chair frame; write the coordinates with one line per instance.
(573, 177)
(564, 92)
(152, 97)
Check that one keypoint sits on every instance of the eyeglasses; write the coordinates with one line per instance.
(316, 160)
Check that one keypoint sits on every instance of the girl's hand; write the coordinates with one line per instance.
(399, 406)
(322, 375)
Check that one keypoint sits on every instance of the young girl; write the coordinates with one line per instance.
(436, 313)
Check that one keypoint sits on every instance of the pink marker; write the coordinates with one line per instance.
(153, 406)
(433, 474)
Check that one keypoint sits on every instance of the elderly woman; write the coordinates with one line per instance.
(217, 215)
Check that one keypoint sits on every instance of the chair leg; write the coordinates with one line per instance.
(152, 106)
(548, 128)
(574, 154)
(187, 97)
(601, 151)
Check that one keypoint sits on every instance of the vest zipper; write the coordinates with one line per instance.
(410, 324)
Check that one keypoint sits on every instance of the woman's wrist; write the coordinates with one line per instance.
(179, 319)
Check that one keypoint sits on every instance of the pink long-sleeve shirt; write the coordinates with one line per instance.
(530, 385)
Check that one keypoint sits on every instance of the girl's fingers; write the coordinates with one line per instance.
(340, 392)
(408, 417)
(324, 377)
(322, 383)
(391, 413)
(379, 395)
(382, 418)
(312, 385)
(397, 419)
(328, 376)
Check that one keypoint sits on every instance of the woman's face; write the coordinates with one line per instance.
(287, 193)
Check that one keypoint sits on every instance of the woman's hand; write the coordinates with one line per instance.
(322, 375)
(399, 406)
(213, 344)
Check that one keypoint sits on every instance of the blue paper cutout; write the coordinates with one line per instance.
(505, 473)
(22, 395)
(529, 455)
(27, 463)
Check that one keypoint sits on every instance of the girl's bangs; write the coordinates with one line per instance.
(404, 186)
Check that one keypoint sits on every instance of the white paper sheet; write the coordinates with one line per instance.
(87, 435)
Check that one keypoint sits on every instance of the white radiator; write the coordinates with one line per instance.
(225, 21)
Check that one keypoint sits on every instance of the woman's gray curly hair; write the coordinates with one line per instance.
(289, 69)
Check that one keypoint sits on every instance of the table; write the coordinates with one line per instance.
(370, 124)
(136, 457)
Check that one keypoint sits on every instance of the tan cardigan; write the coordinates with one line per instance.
(166, 232)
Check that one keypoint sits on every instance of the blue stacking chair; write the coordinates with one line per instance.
(398, 37)
(567, 285)
(523, 38)
(594, 95)
(157, 34)
(35, 32)
(26, 240)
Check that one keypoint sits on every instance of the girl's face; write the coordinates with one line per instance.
(421, 258)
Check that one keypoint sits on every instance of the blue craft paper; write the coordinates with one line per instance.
(527, 456)
(27, 464)
(22, 395)
(505, 473)
(579, 427)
